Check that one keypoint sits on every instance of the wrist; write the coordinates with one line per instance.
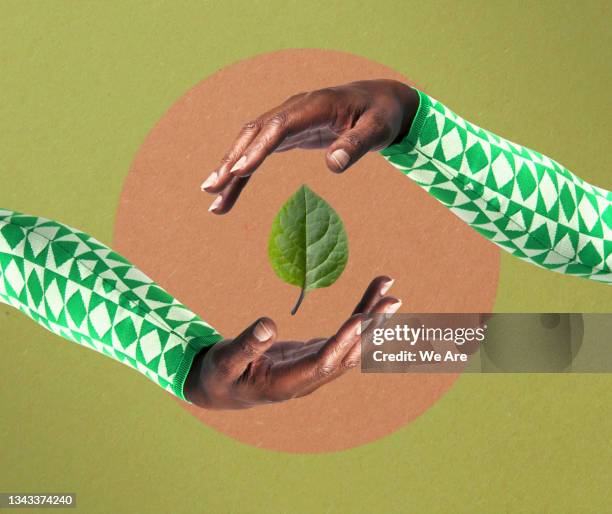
(408, 99)
(414, 121)
(192, 389)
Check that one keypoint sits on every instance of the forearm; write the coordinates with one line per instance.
(78, 288)
(523, 201)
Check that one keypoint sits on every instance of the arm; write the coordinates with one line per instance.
(524, 202)
(78, 288)
(521, 200)
(81, 290)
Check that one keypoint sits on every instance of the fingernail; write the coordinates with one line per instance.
(386, 286)
(261, 332)
(239, 163)
(210, 181)
(215, 203)
(392, 309)
(361, 327)
(341, 158)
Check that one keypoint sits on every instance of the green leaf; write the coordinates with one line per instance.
(308, 246)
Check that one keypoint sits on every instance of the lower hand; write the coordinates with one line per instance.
(254, 369)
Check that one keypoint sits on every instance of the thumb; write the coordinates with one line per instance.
(370, 132)
(247, 347)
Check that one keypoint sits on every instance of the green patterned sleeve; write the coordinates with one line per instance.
(80, 289)
(521, 200)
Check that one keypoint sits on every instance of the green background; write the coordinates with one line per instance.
(81, 84)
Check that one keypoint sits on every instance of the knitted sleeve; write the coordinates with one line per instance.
(79, 289)
(521, 200)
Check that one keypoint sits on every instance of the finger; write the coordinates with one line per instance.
(375, 291)
(388, 305)
(371, 132)
(226, 199)
(350, 360)
(222, 178)
(232, 360)
(308, 113)
(272, 134)
(219, 178)
(295, 378)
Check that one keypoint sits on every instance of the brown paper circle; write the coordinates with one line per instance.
(219, 265)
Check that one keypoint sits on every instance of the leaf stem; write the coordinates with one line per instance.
(299, 302)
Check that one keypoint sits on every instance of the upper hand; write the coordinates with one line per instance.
(254, 369)
(348, 120)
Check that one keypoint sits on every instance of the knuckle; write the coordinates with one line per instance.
(249, 349)
(317, 93)
(250, 126)
(321, 94)
(354, 141)
(350, 364)
(278, 120)
(294, 98)
(228, 157)
(326, 370)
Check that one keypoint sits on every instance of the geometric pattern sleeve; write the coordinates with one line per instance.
(521, 200)
(80, 289)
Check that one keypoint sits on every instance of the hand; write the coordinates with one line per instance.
(348, 121)
(254, 369)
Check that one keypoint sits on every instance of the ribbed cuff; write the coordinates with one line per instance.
(410, 140)
(193, 348)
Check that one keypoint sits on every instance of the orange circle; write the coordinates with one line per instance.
(219, 265)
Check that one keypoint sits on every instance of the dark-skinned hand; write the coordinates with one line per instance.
(348, 121)
(255, 369)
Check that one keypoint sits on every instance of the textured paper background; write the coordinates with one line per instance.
(219, 265)
(82, 85)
